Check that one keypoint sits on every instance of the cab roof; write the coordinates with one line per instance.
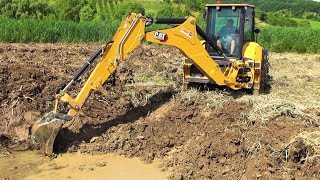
(225, 5)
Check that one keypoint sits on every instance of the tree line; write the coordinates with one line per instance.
(88, 10)
(81, 10)
(304, 9)
(69, 10)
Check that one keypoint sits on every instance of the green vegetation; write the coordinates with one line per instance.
(70, 20)
(36, 9)
(286, 39)
(30, 30)
(313, 24)
(293, 25)
(68, 10)
(304, 9)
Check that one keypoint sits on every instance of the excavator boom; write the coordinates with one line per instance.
(130, 34)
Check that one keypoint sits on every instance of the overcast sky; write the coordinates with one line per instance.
(317, 0)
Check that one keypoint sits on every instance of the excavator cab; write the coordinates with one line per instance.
(231, 26)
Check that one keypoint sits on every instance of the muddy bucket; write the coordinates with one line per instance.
(45, 131)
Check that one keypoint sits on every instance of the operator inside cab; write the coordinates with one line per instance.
(226, 38)
(224, 27)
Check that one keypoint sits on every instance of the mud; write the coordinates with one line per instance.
(196, 134)
(33, 165)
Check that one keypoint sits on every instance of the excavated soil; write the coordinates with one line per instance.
(145, 114)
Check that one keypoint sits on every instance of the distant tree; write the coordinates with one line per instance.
(168, 11)
(125, 8)
(8, 8)
(36, 9)
(196, 5)
(86, 13)
(277, 20)
(296, 7)
(263, 17)
(309, 15)
(69, 9)
(105, 9)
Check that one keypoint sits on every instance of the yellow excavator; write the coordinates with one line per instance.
(242, 66)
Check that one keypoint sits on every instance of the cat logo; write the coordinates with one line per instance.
(163, 37)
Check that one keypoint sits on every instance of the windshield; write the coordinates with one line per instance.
(224, 25)
(249, 26)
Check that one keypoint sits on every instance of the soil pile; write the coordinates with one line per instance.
(197, 134)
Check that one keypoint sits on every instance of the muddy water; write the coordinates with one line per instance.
(33, 165)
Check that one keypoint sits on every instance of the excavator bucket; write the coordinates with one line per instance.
(45, 131)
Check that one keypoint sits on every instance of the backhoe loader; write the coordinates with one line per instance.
(238, 73)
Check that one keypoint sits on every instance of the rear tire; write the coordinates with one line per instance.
(265, 86)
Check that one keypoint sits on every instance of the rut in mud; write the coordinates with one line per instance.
(197, 134)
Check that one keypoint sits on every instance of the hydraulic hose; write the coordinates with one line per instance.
(85, 67)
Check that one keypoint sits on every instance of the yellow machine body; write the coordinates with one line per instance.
(128, 37)
(249, 56)
(131, 34)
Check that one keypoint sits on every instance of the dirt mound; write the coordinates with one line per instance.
(30, 76)
(197, 142)
(198, 135)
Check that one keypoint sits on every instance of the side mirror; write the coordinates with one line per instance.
(257, 30)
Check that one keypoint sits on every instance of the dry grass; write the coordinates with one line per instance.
(295, 88)
(307, 144)
(268, 107)
(296, 78)
(212, 99)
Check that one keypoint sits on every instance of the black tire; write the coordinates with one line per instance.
(265, 78)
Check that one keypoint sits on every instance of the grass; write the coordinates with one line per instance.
(314, 24)
(294, 93)
(278, 39)
(287, 39)
(211, 99)
(30, 30)
(309, 141)
(294, 89)
(158, 80)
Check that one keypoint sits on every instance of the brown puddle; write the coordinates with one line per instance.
(33, 165)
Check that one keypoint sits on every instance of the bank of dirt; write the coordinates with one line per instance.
(197, 134)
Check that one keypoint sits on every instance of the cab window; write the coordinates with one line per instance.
(249, 26)
(224, 28)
